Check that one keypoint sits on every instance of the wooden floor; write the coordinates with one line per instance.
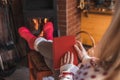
(96, 25)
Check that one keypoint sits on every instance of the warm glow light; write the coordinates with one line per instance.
(45, 20)
(36, 23)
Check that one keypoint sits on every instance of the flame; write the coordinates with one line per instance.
(37, 22)
(36, 26)
(45, 20)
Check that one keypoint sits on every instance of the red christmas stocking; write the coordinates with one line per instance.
(48, 31)
(27, 35)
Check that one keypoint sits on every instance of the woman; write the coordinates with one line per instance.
(105, 65)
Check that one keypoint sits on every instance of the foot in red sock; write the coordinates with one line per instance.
(48, 31)
(27, 35)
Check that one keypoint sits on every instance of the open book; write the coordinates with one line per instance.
(60, 46)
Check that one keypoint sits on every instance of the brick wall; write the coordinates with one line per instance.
(68, 17)
(62, 16)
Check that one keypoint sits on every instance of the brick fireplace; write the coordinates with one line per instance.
(68, 17)
(65, 14)
(67, 21)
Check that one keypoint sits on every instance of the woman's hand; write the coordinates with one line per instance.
(67, 59)
(67, 64)
(82, 53)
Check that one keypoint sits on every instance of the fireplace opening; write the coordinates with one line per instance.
(36, 25)
(38, 11)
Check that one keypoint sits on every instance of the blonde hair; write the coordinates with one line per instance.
(108, 49)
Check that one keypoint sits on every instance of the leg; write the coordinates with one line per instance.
(45, 48)
(40, 44)
(30, 38)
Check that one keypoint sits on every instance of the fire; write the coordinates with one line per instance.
(37, 22)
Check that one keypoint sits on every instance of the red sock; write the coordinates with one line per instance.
(48, 31)
(27, 35)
